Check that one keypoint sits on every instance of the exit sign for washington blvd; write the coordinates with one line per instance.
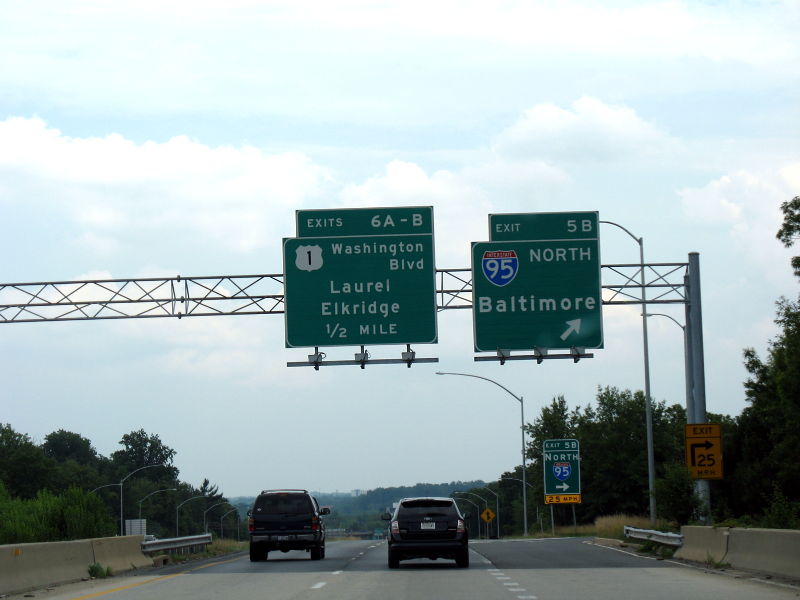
(360, 276)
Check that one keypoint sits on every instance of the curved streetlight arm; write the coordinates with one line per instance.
(477, 511)
(214, 506)
(485, 501)
(140, 469)
(673, 319)
(530, 485)
(101, 487)
(177, 512)
(638, 239)
(150, 494)
(157, 491)
(229, 512)
(223, 517)
(205, 526)
(192, 498)
(517, 398)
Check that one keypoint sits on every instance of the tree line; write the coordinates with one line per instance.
(64, 489)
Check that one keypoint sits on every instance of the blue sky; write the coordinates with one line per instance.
(159, 138)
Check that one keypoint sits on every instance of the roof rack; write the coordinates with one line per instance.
(283, 490)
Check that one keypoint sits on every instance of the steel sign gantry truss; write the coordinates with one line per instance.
(145, 298)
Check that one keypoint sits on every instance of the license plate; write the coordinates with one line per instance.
(427, 525)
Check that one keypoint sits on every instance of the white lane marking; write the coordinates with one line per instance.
(516, 589)
(337, 572)
(511, 584)
(498, 577)
(490, 570)
(319, 585)
(527, 597)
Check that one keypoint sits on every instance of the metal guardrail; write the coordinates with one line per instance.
(660, 537)
(180, 543)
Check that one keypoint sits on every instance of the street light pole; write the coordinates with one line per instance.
(485, 506)
(205, 526)
(150, 494)
(522, 430)
(477, 508)
(648, 409)
(222, 517)
(687, 366)
(530, 485)
(177, 512)
(121, 481)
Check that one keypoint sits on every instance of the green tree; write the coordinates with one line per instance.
(141, 449)
(24, 468)
(789, 232)
(675, 495)
(766, 449)
(65, 445)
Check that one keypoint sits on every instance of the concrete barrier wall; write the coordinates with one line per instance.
(27, 566)
(702, 544)
(121, 553)
(775, 551)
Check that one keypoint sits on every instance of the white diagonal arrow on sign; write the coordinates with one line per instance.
(574, 325)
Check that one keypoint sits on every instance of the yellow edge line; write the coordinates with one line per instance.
(162, 578)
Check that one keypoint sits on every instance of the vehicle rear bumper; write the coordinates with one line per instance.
(285, 537)
(419, 549)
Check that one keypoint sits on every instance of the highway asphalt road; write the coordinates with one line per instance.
(542, 569)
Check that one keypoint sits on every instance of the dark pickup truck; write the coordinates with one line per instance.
(286, 520)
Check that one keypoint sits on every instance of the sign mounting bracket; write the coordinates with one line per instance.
(362, 359)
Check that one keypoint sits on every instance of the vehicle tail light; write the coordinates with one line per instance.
(395, 527)
(314, 523)
(460, 527)
(251, 524)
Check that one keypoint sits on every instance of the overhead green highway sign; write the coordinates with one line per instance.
(543, 226)
(365, 221)
(538, 293)
(369, 286)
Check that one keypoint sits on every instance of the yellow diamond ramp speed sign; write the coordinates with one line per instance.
(488, 515)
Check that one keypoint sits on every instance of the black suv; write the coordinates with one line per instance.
(427, 528)
(286, 520)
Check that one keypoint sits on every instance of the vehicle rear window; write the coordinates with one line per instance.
(278, 504)
(427, 508)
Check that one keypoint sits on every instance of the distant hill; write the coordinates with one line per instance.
(378, 500)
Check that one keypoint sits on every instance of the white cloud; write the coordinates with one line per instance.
(363, 60)
(111, 186)
(592, 131)
(747, 204)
